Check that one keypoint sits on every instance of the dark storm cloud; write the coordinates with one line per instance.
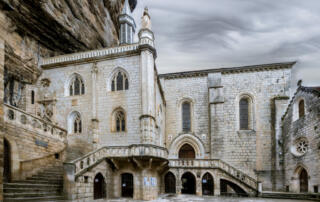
(197, 34)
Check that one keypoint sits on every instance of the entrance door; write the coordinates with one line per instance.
(99, 187)
(6, 162)
(303, 181)
(188, 183)
(207, 184)
(170, 183)
(186, 152)
(127, 185)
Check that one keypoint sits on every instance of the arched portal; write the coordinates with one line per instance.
(6, 161)
(230, 188)
(188, 183)
(127, 185)
(187, 152)
(99, 187)
(303, 178)
(170, 183)
(207, 184)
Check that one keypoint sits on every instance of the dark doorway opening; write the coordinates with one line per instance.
(207, 184)
(99, 187)
(188, 183)
(6, 161)
(186, 152)
(127, 185)
(303, 178)
(228, 188)
(170, 183)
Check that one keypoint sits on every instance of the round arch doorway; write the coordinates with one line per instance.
(207, 184)
(188, 183)
(99, 187)
(127, 185)
(187, 152)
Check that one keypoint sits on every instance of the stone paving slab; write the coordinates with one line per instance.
(192, 198)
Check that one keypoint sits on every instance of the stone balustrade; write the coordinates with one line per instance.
(90, 54)
(217, 164)
(91, 159)
(22, 119)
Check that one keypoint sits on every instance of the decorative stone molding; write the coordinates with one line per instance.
(182, 139)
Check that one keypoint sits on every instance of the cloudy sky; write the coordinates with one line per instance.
(203, 34)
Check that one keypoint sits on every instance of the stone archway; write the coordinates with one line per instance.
(184, 139)
(99, 187)
(229, 188)
(303, 180)
(188, 183)
(170, 183)
(6, 161)
(207, 184)
(127, 185)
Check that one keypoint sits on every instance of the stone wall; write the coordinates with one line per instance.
(1, 114)
(304, 127)
(195, 90)
(106, 102)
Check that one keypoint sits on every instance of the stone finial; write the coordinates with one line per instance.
(146, 20)
(126, 8)
(299, 83)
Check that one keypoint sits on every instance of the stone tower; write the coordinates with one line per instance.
(127, 25)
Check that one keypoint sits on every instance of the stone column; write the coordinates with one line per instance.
(1, 114)
(148, 99)
(216, 186)
(216, 100)
(94, 120)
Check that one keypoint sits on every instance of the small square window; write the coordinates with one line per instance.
(316, 189)
(86, 179)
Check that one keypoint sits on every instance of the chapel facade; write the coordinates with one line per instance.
(113, 127)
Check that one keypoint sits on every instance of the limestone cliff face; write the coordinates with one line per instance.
(40, 28)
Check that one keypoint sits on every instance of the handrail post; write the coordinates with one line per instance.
(69, 180)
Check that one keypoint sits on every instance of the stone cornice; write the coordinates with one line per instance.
(88, 56)
(252, 68)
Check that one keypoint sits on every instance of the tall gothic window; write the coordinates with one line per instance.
(244, 114)
(301, 108)
(119, 121)
(119, 82)
(186, 116)
(75, 123)
(76, 86)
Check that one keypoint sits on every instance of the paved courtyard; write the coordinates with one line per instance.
(191, 198)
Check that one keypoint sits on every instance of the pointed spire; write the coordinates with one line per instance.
(126, 8)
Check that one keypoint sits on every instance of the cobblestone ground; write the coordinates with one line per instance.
(192, 198)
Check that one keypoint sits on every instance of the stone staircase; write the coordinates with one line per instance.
(290, 195)
(47, 185)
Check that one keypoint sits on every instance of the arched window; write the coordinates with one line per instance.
(186, 116)
(120, 82)
(187, 152)
(244, 113)
(76, 86)
(119, 121)
(301, 108)
(74, 123)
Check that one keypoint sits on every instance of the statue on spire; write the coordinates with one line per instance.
(146, 20)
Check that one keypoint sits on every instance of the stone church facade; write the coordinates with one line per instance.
(117, 128)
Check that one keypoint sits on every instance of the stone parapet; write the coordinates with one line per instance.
(22, 119)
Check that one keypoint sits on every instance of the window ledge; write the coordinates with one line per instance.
(246, 132)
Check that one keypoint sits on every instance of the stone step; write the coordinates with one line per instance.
(57, 182)
(27, 185)
(54, 178)
(285, 195)
(48, 198)
(30, 194)
(48, 175)
(34, 189)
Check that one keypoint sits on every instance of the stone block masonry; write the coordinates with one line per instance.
(1, 115)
